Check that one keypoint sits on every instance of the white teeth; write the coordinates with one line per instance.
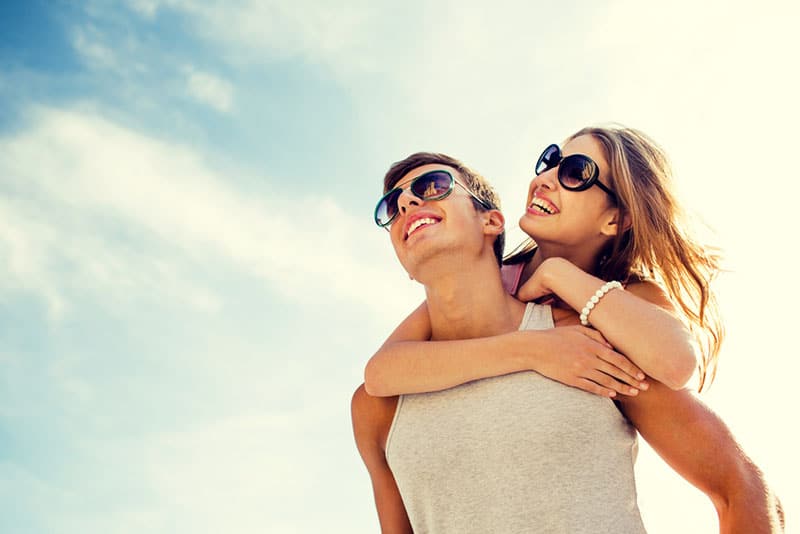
(538, 203)
(420, 222)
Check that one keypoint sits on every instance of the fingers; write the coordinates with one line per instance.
(593, 387)
(621, 368)
(618, 366)
(597, 376)
(604, 380)
(582, 358)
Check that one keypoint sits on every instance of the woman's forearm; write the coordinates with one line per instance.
(633, 321)
(404, 367)
(573, 355)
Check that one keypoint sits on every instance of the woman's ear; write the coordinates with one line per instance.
(494, 222)
(612, 226)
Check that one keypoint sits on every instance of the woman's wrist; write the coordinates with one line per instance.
(526, 353)
(555, 272)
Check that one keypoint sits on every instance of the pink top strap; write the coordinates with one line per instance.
(510, 274)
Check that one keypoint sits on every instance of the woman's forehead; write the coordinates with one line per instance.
(587, 145)
(583, 144)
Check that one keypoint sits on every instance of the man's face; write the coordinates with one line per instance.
(441, 230)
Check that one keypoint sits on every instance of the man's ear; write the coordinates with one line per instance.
(493, 223)
(612, 225)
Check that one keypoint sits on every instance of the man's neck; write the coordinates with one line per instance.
(469, 301)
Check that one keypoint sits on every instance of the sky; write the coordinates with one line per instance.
(190, 278)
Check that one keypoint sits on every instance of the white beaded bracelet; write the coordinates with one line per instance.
(600, 293)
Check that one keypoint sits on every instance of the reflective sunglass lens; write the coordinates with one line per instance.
(432, 185)
(549, 159)
(576, 172)
(387, 208)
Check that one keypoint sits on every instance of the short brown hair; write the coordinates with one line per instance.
(476, 183)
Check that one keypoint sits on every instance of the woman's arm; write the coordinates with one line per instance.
(577, 356)
(639, 321)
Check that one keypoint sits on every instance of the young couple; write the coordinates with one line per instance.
(482, 413)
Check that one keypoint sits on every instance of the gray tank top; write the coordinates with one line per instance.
(517, 453)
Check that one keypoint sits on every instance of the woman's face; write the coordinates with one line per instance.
(568, 218)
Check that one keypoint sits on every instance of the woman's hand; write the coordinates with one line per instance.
(580, 357)
(538, 285)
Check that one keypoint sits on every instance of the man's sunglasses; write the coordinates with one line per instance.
(576, 172)
(433, 185)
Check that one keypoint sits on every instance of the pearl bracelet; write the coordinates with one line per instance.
(600, 293)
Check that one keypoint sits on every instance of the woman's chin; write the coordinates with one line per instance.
(527, 223)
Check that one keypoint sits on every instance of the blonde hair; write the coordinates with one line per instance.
(659, 244)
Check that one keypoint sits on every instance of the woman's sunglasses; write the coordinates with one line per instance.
(576, 172)
(433, 185)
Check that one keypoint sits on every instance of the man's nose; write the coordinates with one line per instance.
(407, 198)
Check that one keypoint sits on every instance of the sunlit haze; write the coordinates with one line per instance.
(191, 278)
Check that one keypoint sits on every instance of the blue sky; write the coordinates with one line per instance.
(191, 279)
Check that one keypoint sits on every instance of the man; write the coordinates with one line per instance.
(520, 452)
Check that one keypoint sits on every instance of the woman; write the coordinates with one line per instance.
(629, 229)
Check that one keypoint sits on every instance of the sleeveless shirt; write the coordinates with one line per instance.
(518, 453)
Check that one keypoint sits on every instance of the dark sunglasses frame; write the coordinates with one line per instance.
(552, 157)
(394, 194)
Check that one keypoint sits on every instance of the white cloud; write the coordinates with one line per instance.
(209, 89)
(63, 253)
(96, 178)
(91, 209)
(147, 8)
(87, 42)
(242, 474)
(247, 467)
(15, 481)
(24, 242)
(254, 27)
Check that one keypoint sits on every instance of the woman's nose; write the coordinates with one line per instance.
(549, 177)
(546, 180)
